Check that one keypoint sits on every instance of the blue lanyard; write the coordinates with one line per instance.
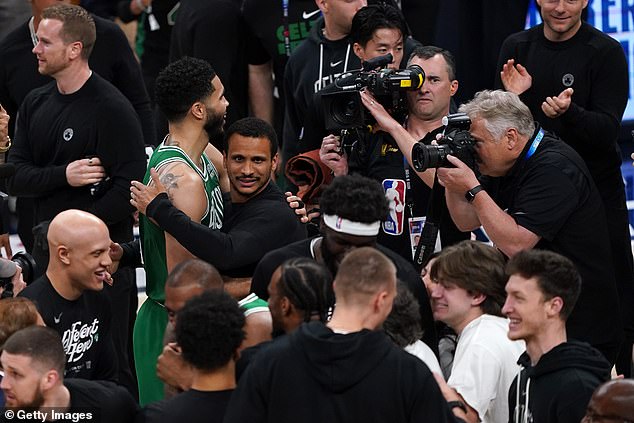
(535, 144)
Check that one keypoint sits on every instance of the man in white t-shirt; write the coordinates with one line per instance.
(467, 294)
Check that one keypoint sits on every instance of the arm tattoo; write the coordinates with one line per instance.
(170, 181)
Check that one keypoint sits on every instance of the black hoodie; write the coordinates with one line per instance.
(559, 385)
(315, 375)
(316, 63)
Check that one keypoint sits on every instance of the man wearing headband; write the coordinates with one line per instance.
(352, 210)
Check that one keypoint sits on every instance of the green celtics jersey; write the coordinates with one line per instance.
(153, 237)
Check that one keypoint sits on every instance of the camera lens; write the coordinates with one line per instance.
(429, 156)
(27, 264)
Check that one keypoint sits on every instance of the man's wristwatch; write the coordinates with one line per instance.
(461, 405)
(470, 195)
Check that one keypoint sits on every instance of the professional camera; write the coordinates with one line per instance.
(456, 140)
(26, 263)
(342, 105)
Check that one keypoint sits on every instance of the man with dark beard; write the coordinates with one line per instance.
(33, 362)
(352, 209)
(192, 98)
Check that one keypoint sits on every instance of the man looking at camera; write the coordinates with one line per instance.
(385, 159)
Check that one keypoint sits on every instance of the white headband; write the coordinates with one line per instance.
(339, 224)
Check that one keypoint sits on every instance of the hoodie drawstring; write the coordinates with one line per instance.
(321, 64)
(528, 387)
(517, 397)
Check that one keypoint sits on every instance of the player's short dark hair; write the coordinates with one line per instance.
(403, 324)
(181, 84)
(43, 345)
(371, 18)
(209, 330)
(308, 286)
(355, 198)
(477, 268)
(78, 25)
(252, 127)
(195, 272)
(428, 52)
(556, 275)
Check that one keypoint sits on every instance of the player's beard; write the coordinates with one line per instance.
(214, 127)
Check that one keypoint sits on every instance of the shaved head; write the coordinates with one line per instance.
(613, 399)
(79, 244)
(74, 227)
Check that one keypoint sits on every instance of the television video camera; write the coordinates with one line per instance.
(341, 101)
(456, 140)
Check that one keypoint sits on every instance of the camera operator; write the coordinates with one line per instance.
(384, 161)
(537, 193)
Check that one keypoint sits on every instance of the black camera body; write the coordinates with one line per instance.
(456, 140)
(27, 264)
(341, 101)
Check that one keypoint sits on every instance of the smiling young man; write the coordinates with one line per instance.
(558, 375)
(467, 293)
(69, 296)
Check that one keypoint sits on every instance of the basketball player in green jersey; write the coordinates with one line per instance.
(192, 98)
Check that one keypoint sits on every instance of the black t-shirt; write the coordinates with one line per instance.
(190, 406)
(84, 326)
(552, 194)
(404, 272)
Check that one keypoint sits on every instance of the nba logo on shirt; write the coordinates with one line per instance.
(395, 194)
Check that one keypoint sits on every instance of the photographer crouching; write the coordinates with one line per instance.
(418, 102)
(535, 192)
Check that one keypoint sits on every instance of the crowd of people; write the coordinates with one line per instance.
(318, 244)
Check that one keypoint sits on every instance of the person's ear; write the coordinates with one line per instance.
(286, 306)
(555, 305)
(198, 110)
(75, 49)
(478, 299)
(453, 87)
(274, 162)
(63, 254)
(512, 137)
(358, 51)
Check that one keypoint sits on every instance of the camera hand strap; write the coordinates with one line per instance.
(428, 236)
